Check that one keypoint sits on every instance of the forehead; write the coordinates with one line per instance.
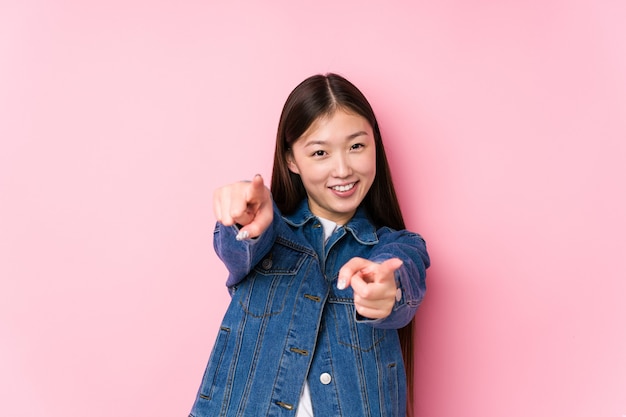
(339, 125)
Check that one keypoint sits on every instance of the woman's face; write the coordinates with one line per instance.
(336, 160)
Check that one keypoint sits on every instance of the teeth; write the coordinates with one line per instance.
(343, 188)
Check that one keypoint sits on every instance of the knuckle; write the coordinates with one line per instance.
(365, 292)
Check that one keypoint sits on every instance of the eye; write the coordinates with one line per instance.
(319, 153)
(357, 146)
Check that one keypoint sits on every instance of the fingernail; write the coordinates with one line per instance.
(242, 235)
(341, 284)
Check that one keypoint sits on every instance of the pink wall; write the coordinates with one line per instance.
(505, 124)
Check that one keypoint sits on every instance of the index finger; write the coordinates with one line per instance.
(256, 191)
(390, 265)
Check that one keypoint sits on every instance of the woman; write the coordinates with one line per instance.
(322, 272)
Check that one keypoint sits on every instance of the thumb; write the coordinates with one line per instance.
(349, 269)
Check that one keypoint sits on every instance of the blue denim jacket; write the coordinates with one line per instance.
(288, 322)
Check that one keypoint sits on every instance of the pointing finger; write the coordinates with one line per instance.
(256, 191)
(387, 268)
(262, 220)
(259, 209)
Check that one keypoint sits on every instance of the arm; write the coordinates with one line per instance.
(244, 232)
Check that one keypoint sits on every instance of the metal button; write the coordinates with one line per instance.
(313, 297)
(325, 378)
(284, 405)
(267, 263)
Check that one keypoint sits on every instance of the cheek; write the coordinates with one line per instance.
(312, 174)
(369, 165)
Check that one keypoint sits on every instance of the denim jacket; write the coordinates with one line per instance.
(287, 322)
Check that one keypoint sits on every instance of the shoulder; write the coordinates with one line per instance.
(387, 233)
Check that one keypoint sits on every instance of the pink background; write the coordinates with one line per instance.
(505, 126)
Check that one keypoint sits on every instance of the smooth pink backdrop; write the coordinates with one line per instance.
(505, 124)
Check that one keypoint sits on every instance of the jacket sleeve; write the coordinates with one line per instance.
(410, 277)
(240, 256)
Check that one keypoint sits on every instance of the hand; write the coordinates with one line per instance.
(373, 284)
(245, 203)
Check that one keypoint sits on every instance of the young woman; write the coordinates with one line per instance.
(324, 278)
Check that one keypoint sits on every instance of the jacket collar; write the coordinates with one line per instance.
(359, 225)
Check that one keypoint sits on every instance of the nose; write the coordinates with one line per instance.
(342, 167)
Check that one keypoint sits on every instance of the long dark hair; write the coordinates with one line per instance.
(315, 97)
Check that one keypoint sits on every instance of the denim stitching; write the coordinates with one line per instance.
(220, 349)
(246, 392)
(233, 367)
(377, 335)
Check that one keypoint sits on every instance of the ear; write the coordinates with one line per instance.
(291, 164)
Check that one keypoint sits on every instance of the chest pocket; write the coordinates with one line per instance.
(350, 333)
(267, 286)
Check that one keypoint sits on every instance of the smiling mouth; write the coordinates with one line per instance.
(343, 188)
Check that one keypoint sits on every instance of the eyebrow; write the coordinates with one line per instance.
(357, 134)
(348, 138)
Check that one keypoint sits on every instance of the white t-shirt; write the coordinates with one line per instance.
(305, 406)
